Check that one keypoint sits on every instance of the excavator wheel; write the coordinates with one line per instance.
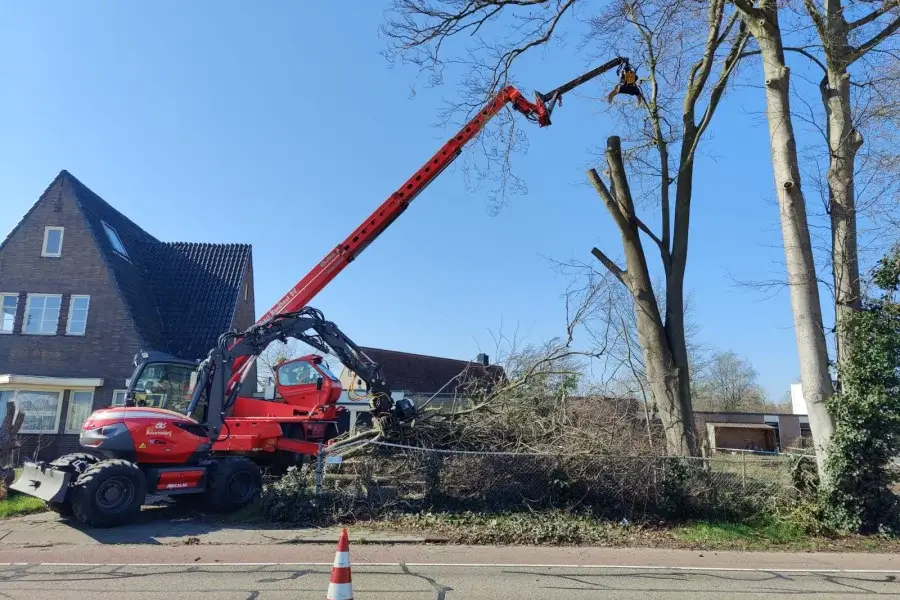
(232, 482)
(77, 463)
(108, 493)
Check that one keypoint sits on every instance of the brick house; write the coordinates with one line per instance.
(83, 289)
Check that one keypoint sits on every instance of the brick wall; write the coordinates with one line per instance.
(245, 313)
(110, 341)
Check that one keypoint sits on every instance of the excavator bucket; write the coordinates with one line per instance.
(43, 481)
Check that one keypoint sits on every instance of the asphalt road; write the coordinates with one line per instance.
(396, 581)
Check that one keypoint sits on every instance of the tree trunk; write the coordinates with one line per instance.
(843, 141)
(804, 293)
(669, 388)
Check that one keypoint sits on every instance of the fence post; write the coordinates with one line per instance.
(320, 467)
(743, 472)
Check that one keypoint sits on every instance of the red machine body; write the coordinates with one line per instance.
(146, 435)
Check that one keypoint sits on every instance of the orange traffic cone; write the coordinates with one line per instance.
(341, 587)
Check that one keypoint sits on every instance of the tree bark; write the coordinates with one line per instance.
(804, 292)
(844, 142)
(670, 388)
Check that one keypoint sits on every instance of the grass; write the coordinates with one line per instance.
(20, 504)
(762, 535)
(561, 528)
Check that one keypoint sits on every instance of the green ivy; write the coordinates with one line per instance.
(860, 466)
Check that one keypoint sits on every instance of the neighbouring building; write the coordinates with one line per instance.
(418, 376)
(83, 289)
(738, 431)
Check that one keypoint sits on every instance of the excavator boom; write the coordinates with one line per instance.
(344, 253)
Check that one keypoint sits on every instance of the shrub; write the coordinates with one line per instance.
(858, 496)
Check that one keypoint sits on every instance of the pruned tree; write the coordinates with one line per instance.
(699, 60)
(762, 20)
(849, 31)
(9, 443)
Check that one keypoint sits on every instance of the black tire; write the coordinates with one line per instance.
(77, 463)
(108, 493)
(232, 483)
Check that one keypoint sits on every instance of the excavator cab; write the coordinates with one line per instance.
(165, 384)
(307, 382)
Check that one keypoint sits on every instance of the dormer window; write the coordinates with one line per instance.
(115, 240)
(53, 239)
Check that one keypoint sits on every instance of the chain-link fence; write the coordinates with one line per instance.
(392, 478)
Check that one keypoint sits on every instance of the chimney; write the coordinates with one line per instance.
(483, 359)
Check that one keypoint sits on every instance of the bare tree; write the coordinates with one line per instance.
(763, 23)
(666, 36)
(848, 31)
(728, 384)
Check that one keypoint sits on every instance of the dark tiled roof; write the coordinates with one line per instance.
(180, 295)
(421, 374)
(197, 287)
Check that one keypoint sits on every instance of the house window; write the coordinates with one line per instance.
(78, 313)
(42, 313)
(81, 404)
(115, 240)
(53, 239)
(8, 305)
(119, 397)
(40, 407)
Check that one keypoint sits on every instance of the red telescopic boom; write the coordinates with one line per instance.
(344, 253)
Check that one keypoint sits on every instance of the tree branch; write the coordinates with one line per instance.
(817, 18)
(885, 33)
(611, 266)
(747, 9)
(888, 5)
(728, 65)
(796, 49)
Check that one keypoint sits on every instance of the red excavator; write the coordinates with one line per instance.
(191, 432)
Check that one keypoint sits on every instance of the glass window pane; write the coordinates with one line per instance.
(40, 410)
(54, 241)
(78, 310)
(8, 314)
(80, 408)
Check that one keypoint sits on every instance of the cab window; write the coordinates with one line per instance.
(165, 385)
(297, 373)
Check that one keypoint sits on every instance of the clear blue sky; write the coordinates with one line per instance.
(281, 125)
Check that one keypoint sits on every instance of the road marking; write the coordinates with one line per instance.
(484, 565)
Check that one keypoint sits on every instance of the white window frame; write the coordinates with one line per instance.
(123, 392)
(72, 393)
(3, 297)
(115, 240)
(47, 230)
(59, 404)
(72, 299)
(28, 307)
